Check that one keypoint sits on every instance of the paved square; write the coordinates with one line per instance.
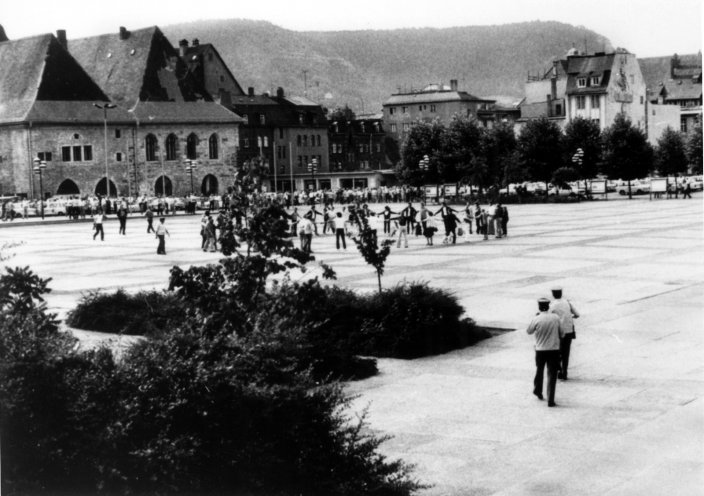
(630, 420)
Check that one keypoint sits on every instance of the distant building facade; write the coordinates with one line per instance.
(157, 118)
(435, 101)
(596, 87)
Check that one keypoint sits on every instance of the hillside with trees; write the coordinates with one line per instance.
(362, 68)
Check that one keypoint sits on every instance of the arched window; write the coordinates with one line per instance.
(150, 147)
(192, 146)
(213, 146)
(68, 187)
(171, 145)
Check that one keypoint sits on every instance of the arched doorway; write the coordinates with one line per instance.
(209, 186)
(101, 190)
(163, 186)
(68, 187)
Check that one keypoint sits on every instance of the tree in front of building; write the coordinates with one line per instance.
(627, 154)
(540, 146)
(694, 150)
(671, 153)
(499, 148)
(342, 114)
(582, 146)
(423, 139)
(462, 151)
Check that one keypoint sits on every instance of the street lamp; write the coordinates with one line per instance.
(312, 168)
(105, 108)
(190, 168)
(39, 166)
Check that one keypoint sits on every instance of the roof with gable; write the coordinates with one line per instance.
(138, 65)
(683, 89)
(194, 59)
(588, 66)
(38, 69)
(658, 72)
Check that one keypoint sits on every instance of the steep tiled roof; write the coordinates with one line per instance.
(588, 66)
(39, 69)
(183, 112)
(683, 89)
(432, 97)
(656, 70)
(67, 112)
(194, 59)
(141, 65)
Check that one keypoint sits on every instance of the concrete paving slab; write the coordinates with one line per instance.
(629, 421)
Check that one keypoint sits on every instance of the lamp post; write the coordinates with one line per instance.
(105, 107)
(39, 166)
(190, 168)
(312, 167)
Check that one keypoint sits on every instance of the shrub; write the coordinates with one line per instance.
(414, 320)
(146, 313)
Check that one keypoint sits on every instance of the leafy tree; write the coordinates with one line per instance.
(671, 154)
(694, 150)
(540, 146)
(499, 149)
(424, 138)
(564, 175)
(368, 245)
(583, 134)
(461, 154)
(626, 152)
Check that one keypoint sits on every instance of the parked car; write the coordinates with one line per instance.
(638, 187)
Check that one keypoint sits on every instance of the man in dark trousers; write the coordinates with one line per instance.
(122, 217)
(409, 215)
(548, 330)
(150, 219)
(567, 312)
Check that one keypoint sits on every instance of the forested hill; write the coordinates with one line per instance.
(362, 68)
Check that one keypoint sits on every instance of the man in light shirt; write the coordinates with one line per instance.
(548, 330)
(567, 312)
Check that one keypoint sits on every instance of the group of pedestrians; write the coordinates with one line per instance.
(121, 213)
(553, 328)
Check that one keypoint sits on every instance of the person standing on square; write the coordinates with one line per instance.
(161, 232)
(98, 219)
(548, 330)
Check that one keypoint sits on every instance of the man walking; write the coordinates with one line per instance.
(566, 312)
(98, 219)
(150, 219)
(548, 331)
(161, 232)
(122, 217)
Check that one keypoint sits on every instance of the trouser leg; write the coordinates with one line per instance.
(553, 362)
(539, 368)
(565, 347)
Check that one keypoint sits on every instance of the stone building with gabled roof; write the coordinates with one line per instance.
(160, 117)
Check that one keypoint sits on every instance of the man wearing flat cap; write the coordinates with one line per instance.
(567, 313)
(547, 328)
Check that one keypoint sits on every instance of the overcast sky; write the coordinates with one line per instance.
(644, 27)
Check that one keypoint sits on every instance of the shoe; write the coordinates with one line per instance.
(561, 376)
(539, 395)
(552, 403)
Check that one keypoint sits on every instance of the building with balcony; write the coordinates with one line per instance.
(435, 101)
(596, 87)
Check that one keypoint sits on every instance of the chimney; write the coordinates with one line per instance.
(453, 84)
(195, 42)
(279, 92)
(182, 48)
(61, 36)
(250, 91)
(124, 34)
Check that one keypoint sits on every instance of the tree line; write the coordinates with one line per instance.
(466, 152)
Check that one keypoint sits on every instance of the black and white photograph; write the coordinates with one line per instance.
(373, 248)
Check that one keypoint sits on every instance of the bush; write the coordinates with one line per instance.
(414, 320)
(146, 313)
(186, 412)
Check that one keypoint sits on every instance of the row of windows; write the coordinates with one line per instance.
(363, 148)
(593, 100)
(593, 81)
(302, 140)
(151, 146)
(404, 110)
(262, 142)
(303, 160)
(406, 127)
(261, 118)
